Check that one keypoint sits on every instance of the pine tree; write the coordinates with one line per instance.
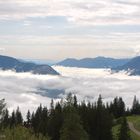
(117, 107)
(2, 108)
(6, 119)
(72, 128)
(44, 121)
(37, 120)
(13, 120)
(135, 107)
(75, 101)
(86, 113)
(33, 123)
(103, 122)
(124, 133)
(19, 119)
(51, 124)
(28, 117)
(121, 107)
(55, 122)
(52, 107)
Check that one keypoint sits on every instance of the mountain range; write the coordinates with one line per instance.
(133, 66)
(98, 62)
(10, 63)
(39, 61)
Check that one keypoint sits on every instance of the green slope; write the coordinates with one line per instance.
(135, 120)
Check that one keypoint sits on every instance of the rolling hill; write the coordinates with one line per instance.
(10, 63)
(133, 65)
(98, 62)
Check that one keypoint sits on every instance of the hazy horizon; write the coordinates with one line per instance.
(59, 29)
(59, 60)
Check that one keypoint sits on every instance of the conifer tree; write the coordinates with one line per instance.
(135, 107)
(13, 119)
(52, 107)
(117, 107)
(6, 119)
(19, 119)
(55, 122)
(72, 128)
(44, 121)
(34, 123)
(124, 133)
(37, 120)
(28, 117)
(2, 108)
(87, 116)
(75, 101)
(103, 122)
(51, 124)
(121, 107)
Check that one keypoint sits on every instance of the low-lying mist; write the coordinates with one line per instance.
(27, 90)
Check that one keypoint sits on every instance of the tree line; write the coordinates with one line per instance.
(70, 120)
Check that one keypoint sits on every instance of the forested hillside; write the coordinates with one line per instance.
(69, 120)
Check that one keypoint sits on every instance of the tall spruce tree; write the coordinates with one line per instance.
(37, 120)
(124, 133)
(72, 128)
(2, 109)
(117, 107)
(135, 107)
(44, 121)
(2, 105)
(51, 124)
(19, 118)
(28, 117)
(55, 122)
(103, 122)
(6, 119)
(13, 120)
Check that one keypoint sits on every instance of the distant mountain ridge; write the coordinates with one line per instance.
(98, 62)
(133, 66)
(38, 61)
(10, 63)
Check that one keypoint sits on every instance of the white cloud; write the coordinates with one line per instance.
(20, 89)
(89, 12)
(89, 83)
(46, 37)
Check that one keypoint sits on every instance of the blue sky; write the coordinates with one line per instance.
(58, 29)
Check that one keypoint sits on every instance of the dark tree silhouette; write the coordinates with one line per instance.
(124, 133)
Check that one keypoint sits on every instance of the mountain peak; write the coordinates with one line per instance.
(98, 62)
(10, 63)
(133, 65)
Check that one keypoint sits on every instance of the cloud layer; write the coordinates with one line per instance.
(47, 27)
(97, 12)
(25, 89)
(113, 44)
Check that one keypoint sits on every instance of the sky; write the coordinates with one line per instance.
(87, 84)
(58, 29)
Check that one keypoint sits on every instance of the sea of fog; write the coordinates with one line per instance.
(27, 90)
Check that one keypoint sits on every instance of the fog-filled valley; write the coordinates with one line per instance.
(27, 90)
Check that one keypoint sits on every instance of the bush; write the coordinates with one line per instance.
(21, 133)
